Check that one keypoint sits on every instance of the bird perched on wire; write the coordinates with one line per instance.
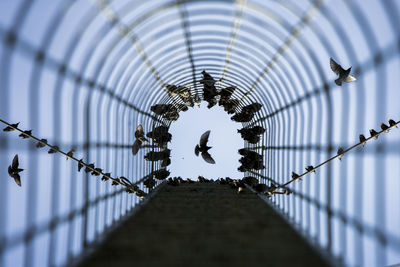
(41, 143)
(203, 148)
(25, 134)
(14, 171)
(139, 139)
(11, 128)
(344, 75)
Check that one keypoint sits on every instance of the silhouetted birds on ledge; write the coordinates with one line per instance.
(203, 148)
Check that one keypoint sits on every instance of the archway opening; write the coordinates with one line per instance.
(224, 140)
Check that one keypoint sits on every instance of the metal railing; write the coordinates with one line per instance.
(84, 74)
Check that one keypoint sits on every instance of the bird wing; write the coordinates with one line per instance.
(15, 162)
(17, 179)
(336, 68)
(204, 138)
(136, 146)
(207, 157)
(350, 78)
(197, 150)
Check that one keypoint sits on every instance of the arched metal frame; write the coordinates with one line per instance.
(84, 74)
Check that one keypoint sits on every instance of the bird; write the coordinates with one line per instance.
(11, 127)
(53, 150)
(89, 167)
(203, 148)
(25, 134)
(385, 128)
(340, 153)
(344, 75)
(295, 176)
(41, 143)
(373, 134)
(363, 140)
(97, 171)
(310, 168)
(197, 100)
(392, 123)
(14, 171)
(139, 139)
(106, 176)
(71, 153)
(80, 165)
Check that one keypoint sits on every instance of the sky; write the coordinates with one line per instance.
(224, 140)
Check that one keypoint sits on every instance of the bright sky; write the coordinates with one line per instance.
(224, 140)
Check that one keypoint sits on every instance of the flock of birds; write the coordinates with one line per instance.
(160, 136)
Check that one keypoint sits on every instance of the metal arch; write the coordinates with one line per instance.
(116, 93)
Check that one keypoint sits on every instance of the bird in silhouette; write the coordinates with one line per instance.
(373, 134)
(106, 176)
(42, 143)
(71, 153)
(203, 148)
(89, 168)
(53, 150)
(25, 134)
(310, 168)
(139, 139)
(385, 128)
(340, 153)
(344, 75)
(295, 176)
(14, 171)
(363, 140)
(392, 123)
(11, 128)
(80, 165)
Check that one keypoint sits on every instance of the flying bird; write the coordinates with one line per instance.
(139, 136)
(14, 171)
(203, 148)
(11, 128)
(344, 75)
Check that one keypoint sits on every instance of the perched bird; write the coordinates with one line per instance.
(392, 123)
(14, 171)
(363, 140)
(340, 153)
(97, 171)
(115, 181)
(139, 139)
(11, 128)
(310, 168)
(25, 134)
(41, 143)
(252, 181)
(203, 148)
(106, 176)
(53, 150)
(71, 153)
(385, 128)
(344, 75)
(295, 176)
(373, 134)
(89, 167)
(80, 165)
